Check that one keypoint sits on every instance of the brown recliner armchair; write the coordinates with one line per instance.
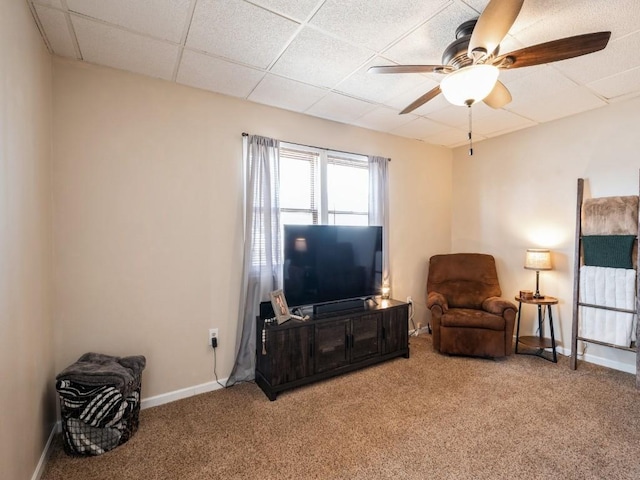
(468, 317)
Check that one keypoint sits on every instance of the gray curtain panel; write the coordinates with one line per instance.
(262, 269)
(379, 206)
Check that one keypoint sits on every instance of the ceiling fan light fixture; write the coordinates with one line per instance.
(469, 85)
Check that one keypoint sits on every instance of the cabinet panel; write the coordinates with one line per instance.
(277, 348)
(365, 337)
(300, 348)
(395, 329)
(331, 345)
(290, 354)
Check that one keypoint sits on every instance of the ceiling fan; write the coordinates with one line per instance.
(472, 62)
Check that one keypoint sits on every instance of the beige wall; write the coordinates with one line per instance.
(148, 216)
(519, 191)
(27, 395)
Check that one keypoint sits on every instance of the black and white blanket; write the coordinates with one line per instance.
(98, 395)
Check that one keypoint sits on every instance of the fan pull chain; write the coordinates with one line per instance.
(470, 132)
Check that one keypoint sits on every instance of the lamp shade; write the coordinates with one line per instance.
(537, 259)
(469, 84)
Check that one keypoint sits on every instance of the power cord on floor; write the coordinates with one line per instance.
(544, 316)
(415, 331)
(214, 344)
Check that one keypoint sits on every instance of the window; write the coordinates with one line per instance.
(323, 187)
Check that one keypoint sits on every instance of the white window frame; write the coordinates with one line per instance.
(321, 214)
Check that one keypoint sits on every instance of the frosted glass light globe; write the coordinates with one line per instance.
(469, 84)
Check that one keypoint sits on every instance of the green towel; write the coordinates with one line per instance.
(612, 251)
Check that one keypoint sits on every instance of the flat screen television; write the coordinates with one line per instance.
(327, 263)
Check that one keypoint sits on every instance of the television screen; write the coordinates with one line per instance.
(324, 263)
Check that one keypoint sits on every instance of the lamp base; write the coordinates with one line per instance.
(537, 294)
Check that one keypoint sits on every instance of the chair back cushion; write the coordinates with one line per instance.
(465, 279)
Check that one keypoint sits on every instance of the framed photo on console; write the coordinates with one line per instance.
(280, 308)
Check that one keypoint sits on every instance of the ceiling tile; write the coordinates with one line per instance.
(400, 102)
(488, 122)
(618, 56)
(118, 48)
(318, 59)
(285, 93)
(452, 137)
(539, 11)
(239, 31)
(373, 26)
(452, 115)
(419, 128)
(544, 108)
(477, 5)
(340, 108)
(50, 3)
(381, 87)
(56, 29)
(209, 73)
(297, 9)
(621, 17)
(617, 85)
(541, 80)
(164, 19)
(383, 119)
(426, 44)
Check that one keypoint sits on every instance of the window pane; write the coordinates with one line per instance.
(348, 188)
(348, 219)
(296, 218)
(295, 183)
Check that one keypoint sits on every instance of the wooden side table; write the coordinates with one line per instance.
(538, 342)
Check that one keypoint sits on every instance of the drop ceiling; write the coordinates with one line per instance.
(312, 56)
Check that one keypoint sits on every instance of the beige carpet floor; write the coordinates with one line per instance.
(427, 417)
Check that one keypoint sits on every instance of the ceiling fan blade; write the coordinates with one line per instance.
(499, 96)
(408, 68)
(493, 25)
(554, 51)
(434, 92)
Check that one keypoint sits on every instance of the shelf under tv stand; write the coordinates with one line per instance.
(297, 353)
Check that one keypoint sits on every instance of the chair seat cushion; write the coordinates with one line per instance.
(469, 318)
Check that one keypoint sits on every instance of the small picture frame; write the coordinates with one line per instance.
(280, 308)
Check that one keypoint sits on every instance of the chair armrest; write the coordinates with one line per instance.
(435, 299)
(498, 305)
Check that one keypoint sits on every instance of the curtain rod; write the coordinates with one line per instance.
(245, 134)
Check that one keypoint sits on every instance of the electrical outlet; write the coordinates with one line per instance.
(213, 333)
(409, 299)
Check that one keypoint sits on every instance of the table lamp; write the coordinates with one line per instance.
(386, 291)
(537, 259)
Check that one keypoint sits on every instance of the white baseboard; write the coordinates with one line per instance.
(37, 474)
(180, 394)
(605, 362)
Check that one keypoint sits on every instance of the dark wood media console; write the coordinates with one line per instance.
(297, 353)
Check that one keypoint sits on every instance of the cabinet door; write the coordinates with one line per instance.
(331, 345)
(290, 354)
(395, 329)
(299, 347)
(365, 337)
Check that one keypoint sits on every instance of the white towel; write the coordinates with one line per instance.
(609, 287)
